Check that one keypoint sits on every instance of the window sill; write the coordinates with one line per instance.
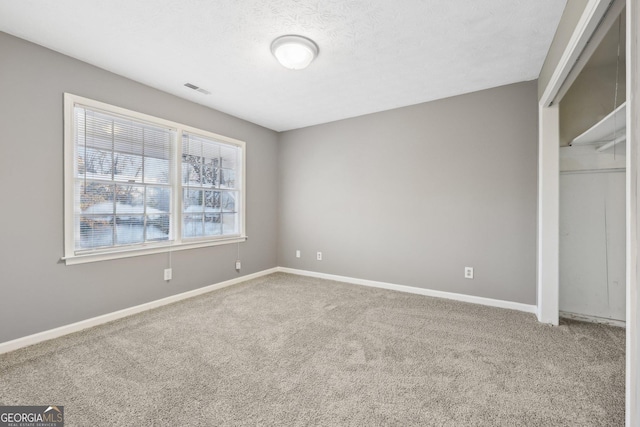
(128, 253)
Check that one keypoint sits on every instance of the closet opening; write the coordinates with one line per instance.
(592, 193)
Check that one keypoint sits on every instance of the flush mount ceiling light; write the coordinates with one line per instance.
(294, 52)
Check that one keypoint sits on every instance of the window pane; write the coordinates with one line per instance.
(192, 201)
(212, 226)
(127, 167)
(210, 173)
(229, 223)
(158, 200)
(191, 169)
(95, 232)
(192, 225)
(158, 227)
(209, 162)
(156, 171)
(227, 178)
(229, 201)
(212, 201)
(212, 213)
(96, 164)
(229, 156)
(130, 199)
(129, 229)
(207, 204)
(95, 198)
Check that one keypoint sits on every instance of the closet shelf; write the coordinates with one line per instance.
(608, 131)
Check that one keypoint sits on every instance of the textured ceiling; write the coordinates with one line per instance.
(375, 55)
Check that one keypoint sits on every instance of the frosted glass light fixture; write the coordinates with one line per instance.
(294, 52)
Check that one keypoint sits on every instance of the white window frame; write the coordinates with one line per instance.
(177, 243)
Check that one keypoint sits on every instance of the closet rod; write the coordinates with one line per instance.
(612, 143)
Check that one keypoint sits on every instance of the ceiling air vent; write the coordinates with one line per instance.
(196, 88)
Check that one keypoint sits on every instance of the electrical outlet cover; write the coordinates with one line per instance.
(468, 272)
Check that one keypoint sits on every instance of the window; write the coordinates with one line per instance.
(209, 187)
(137, 184)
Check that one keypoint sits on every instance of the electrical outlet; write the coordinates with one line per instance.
(167, 274)
(319, 256)
(298, 254)
(468, 272)
(238, 265)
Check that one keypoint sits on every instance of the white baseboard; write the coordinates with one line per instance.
(413, 290)
(593, 319)
(18, 343)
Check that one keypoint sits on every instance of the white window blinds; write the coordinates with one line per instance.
(123, 181)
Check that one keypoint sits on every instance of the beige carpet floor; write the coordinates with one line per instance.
(296, 351)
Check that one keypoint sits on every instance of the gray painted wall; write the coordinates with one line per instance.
(39, 293)
(412, 196)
